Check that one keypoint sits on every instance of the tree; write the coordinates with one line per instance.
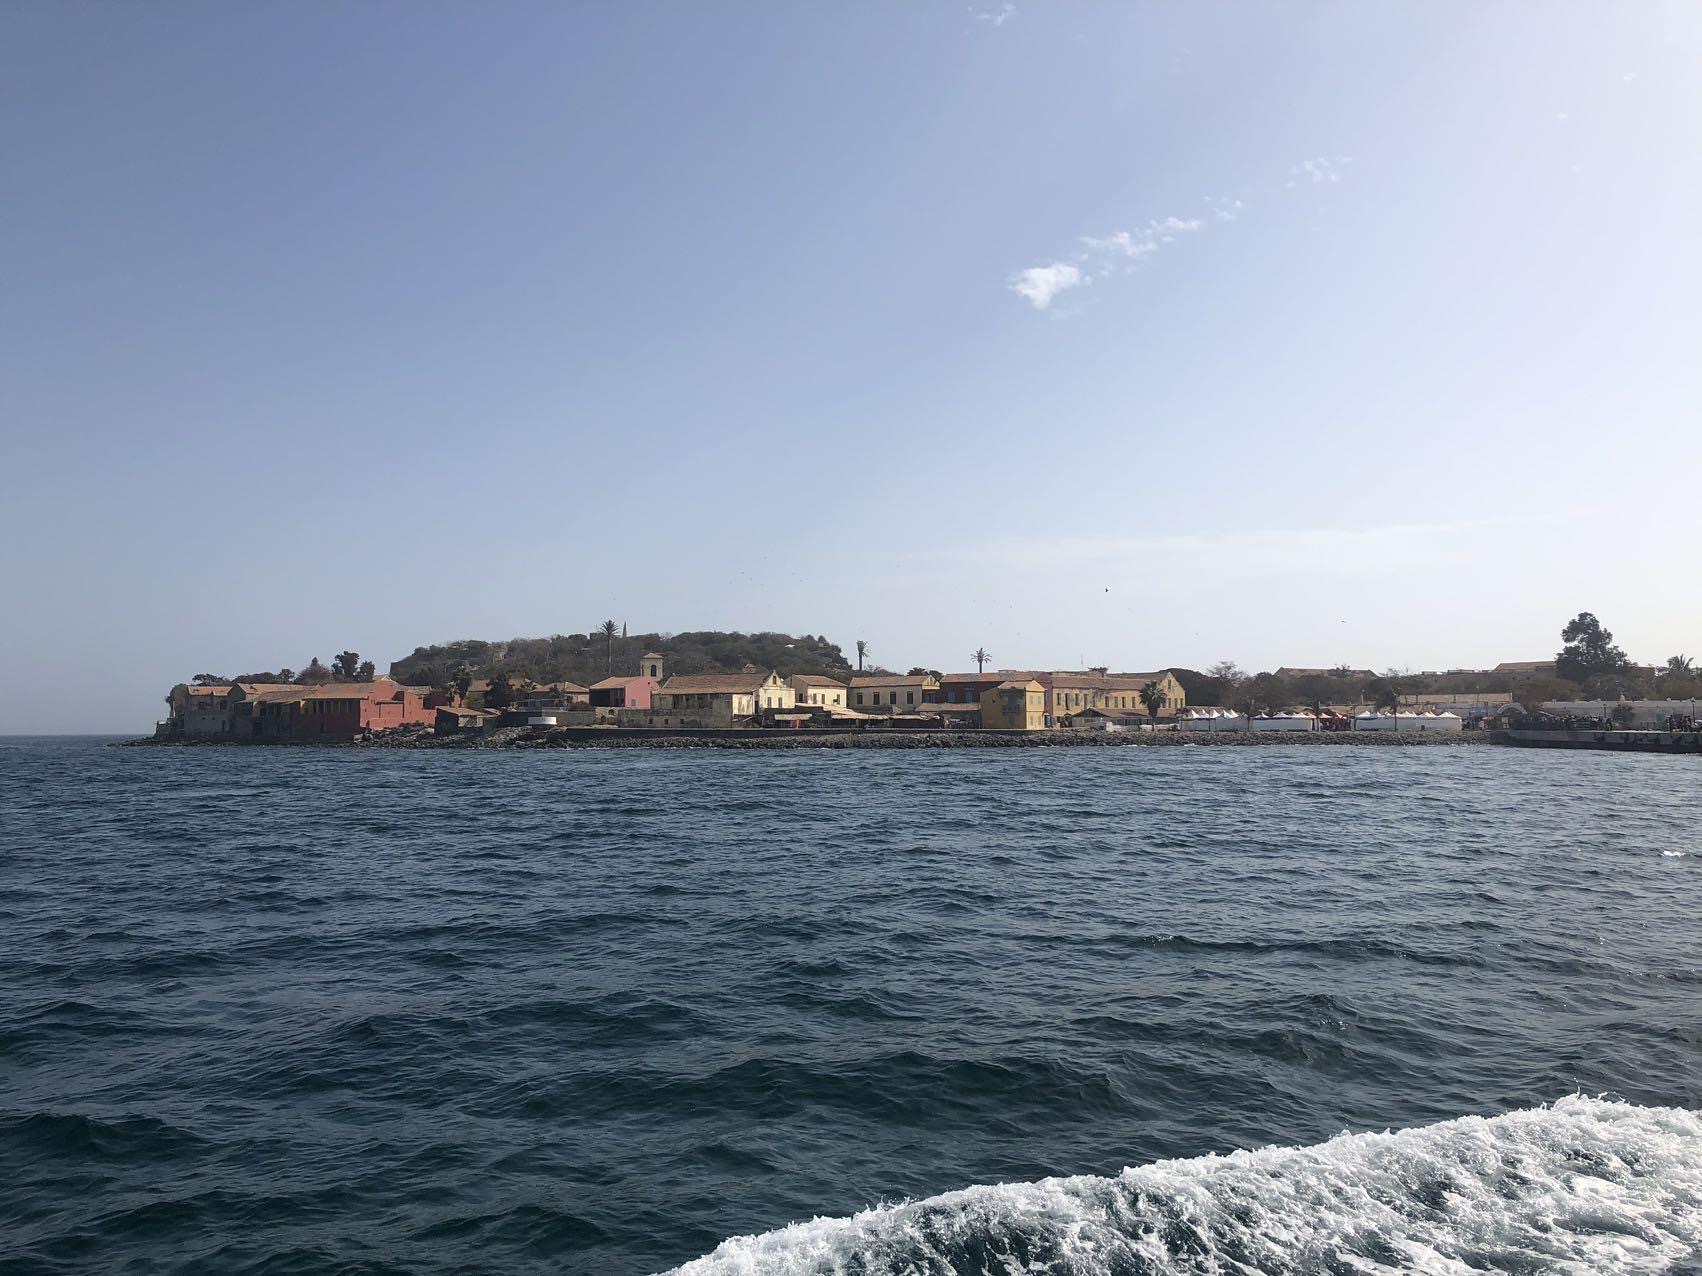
(1679, 666)
(1589, 650)
(208, 680)
(981, 658)
(1152, 696)
(367, 671)
(286, 674)
(501, 693)
(608, 629)
(1227, 672)
(1385, 696)
(314, 673)
(462, 680)
(862, 651)
(346, 666)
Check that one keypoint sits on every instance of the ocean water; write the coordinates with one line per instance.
(1087, 1011)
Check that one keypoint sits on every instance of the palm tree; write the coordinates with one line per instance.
(608, 629)
(1389, 698)
(862, 650)
(1680, 666)
(980, 658)
(1152, 696)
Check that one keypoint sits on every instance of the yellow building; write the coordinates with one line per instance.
(1116, 693)
(1014, 706)
(813, 689)
(894, 692)
(719, 699)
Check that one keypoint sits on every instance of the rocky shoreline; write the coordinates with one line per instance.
(581, 738)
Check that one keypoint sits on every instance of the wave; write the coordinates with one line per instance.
(1585, 1185)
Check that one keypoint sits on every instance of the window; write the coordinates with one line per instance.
(909, 697)
(859, 697)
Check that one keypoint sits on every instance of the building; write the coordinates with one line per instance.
(199, 712)
(968, 688)
(633, 691)
(1073, 691)
(1525, 669)
(451, 720)
(1291, 672)
(326, 712)
(559, 694)
(719, 699)
(813, 689)
(1113, 692)
(652, 665)
(893, 691)
(1016, 705)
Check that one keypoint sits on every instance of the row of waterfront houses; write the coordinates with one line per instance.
(277, 712)
(1011, 700)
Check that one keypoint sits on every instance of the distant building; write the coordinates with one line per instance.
(893, 691)
(1525, 669)
(719, 699)
(1069, 691)
(1114, 692)
(1017, 705)
(813, 689)
(327, 712)
(451, 720)
(652, 665)
(1295, 671)
(634, 691)
(968, 688)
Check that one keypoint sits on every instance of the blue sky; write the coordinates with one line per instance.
(375, 325)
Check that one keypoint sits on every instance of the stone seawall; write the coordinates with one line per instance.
(883, 738)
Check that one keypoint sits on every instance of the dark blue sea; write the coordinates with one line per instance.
(1286, 1009)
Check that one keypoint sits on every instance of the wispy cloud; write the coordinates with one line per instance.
(1039, 285)
(1320, 172)
(1101, 256)
(1143, 241)
(999, 18)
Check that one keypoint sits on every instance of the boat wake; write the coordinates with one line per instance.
(1583, 1186)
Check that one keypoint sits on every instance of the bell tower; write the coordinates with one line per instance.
(652, 666)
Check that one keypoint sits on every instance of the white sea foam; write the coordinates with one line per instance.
(1584, 1186)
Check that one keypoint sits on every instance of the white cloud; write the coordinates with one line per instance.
(1040, 284)
(1123, 250)
(1321, 172)
(1100, 255)
(1143, 241)
(1225, 210)
(997, 19)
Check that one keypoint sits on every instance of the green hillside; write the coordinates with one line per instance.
(585, 658)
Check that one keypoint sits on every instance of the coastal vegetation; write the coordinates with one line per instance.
(607, 649)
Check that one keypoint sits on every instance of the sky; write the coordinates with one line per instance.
(1124, 334)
